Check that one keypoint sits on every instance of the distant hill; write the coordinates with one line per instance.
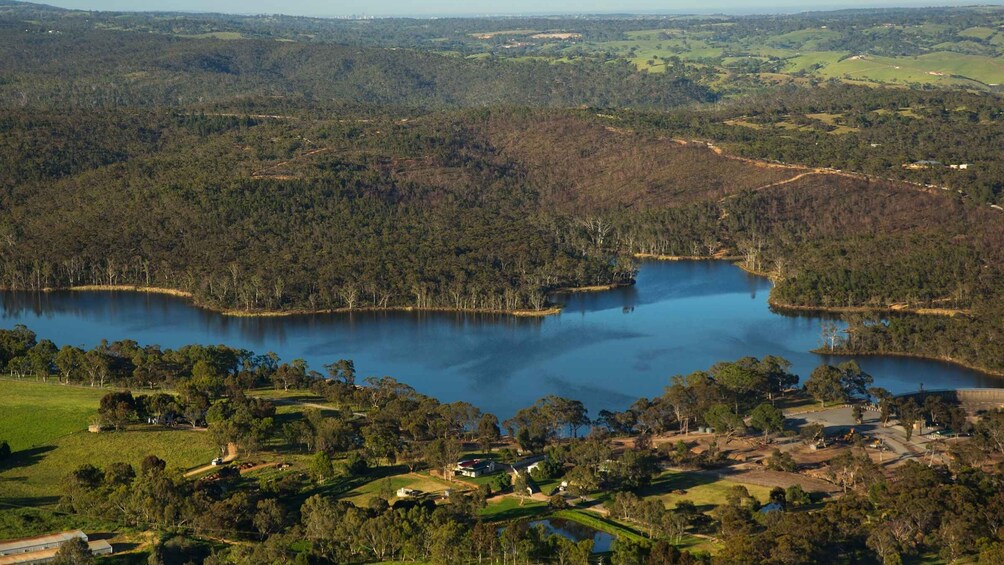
(87, 68)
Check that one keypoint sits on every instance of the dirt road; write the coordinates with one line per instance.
(230, 456)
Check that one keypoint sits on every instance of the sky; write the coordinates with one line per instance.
(340, 8)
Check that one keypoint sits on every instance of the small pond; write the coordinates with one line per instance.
(602, 541)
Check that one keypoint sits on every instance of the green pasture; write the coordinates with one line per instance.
(46, 425)
(704, 490)
(33, 413)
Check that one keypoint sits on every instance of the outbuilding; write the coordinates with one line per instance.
(476, 468)
(43, 549)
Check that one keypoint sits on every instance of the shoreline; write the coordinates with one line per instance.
(121, 288)
(659, 257)
(553, 310)
(556, 309)
(593, 288)
(784, 306)
(523, 313)
(781, 308)
(235, 313)
(995, 373)
(892, 309)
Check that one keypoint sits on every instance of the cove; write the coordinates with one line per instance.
(606, 348)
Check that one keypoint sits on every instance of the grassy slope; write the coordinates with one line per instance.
(802, 50)
(47, 424)
(380, 487)
(34, 414)
(705, 491)
(510, 507)
(988, 70)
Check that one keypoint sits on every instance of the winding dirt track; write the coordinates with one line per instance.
(230, 456)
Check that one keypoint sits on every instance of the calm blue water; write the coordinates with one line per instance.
(602, 541)
(605, 349)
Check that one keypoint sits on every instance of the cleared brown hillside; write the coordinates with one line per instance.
(583, 163)
(576, 162)
(831, 206)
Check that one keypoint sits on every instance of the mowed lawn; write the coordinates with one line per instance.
(389, 485)
(704, 490)
(47, 428)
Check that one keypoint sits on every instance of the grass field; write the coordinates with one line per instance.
(510, 508)
(225, 35)
(37, 473)
(298, 395)
(387, 487)
(34, 414)
(705, 491)
(47, 427)
(941, 67)
(979, 32)
(970, 59)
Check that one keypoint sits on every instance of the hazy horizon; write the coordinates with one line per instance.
(432, 8)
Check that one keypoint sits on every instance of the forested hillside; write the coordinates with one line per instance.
(912, 135)
(96, 68)
(262, 175)
(451, 210)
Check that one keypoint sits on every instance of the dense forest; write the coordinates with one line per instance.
(880, 132)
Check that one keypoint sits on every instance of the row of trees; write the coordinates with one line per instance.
(729, 397)
(192, 370)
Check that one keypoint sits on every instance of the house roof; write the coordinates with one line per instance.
(46, 555)
(24, 543)
(475, 464)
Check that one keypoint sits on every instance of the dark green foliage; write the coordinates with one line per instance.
(178, 549)
(837, 384)
(356, 464)
(320, 466)
(73, 552)
(781, 461)
(117, 408)
(633, 470)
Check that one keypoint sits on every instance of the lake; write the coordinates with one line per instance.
(606, 348)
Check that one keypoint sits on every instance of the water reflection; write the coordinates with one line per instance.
(606, 349)
(602, 541)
